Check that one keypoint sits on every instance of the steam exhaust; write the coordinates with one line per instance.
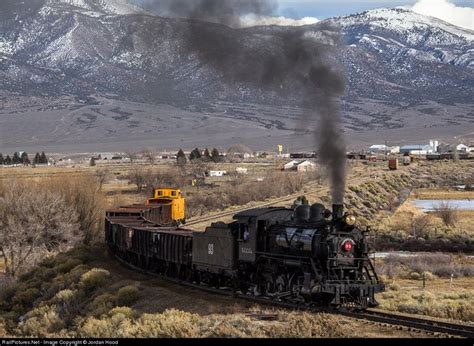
(296, 61)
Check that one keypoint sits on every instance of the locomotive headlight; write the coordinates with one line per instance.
(350, 220)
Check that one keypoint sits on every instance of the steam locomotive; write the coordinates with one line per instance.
(306, 255)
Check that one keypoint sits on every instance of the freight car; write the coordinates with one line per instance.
(308, 255)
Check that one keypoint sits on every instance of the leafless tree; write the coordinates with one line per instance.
(83, 195)
(163, 178)
(132, 156)
(138, 176)
(447, 213)
(198, 170)
(419, 224)
(33, 220)
(150, 155)
(102, 175)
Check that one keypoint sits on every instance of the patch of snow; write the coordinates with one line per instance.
(96, 8)
(402, 20)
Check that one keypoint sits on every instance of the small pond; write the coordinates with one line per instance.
(428, 205)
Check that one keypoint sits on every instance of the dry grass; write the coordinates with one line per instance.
(438, 299)
(442, 193)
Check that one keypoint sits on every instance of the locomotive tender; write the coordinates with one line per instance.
(308, 254)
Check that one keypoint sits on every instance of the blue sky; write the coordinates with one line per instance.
(331, 8)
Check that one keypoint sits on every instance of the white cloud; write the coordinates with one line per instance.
(251, 20)
(447, 11)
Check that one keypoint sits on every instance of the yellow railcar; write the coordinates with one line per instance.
(172, 200)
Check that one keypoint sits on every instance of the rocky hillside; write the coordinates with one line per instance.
(395, 60)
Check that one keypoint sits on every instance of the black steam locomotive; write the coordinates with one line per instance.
(306, 255)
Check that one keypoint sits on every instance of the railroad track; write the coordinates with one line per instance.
(375, 316)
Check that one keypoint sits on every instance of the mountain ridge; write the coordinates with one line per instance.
(396, 62)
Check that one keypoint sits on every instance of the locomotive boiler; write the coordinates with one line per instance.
(306, 255)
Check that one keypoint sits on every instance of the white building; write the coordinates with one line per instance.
(290, 165)
(306, 166)
(217, 173)
(394, 150)
(434, 144)
(463, 148)
(378, 148)
(241, 170)
(382, 149)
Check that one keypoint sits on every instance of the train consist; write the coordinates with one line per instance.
(306, 255)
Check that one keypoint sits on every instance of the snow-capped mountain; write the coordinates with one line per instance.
(394, 58)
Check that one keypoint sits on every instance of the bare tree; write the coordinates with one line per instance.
(138, 176)
(150, 155)
(33, 221)
(83, 195)
(132, 156)
(162, 178)
(198, 170)
(102, 175)
(447, 213)
(419, 224)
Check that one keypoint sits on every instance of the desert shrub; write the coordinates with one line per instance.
(3, 329)
(75, 275)
(394, 287)
(420, 263)
(82, 253)
(44, 321)
(415, 276)
(170, 324)
(125, 311)
(102, 304)
(68, 265)
(424, 297)
(26, 298)
(448, 214)
(94, 278)
(65, 295)
(116, 326)
(303, 325)
(233, 326)
(127, 295)
(428, 276)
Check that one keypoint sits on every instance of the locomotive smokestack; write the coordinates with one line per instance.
(337, 211)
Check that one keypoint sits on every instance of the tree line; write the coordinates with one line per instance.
(23, 159)
(197, 154)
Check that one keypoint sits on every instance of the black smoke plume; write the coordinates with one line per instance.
(290, 60)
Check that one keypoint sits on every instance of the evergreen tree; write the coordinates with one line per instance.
(2, 160)
(43, 158)
(16, 158)
(207, 155)
(215, 155)
(36, 160)
(24, 158)
(92, 162)
(8, 160)
(195, 154)
(181, 157)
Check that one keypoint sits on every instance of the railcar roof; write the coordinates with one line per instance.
(166, 230)
(258, 212)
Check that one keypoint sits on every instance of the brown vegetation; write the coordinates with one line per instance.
(33, 222)
(447, 213)
(87, 302)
